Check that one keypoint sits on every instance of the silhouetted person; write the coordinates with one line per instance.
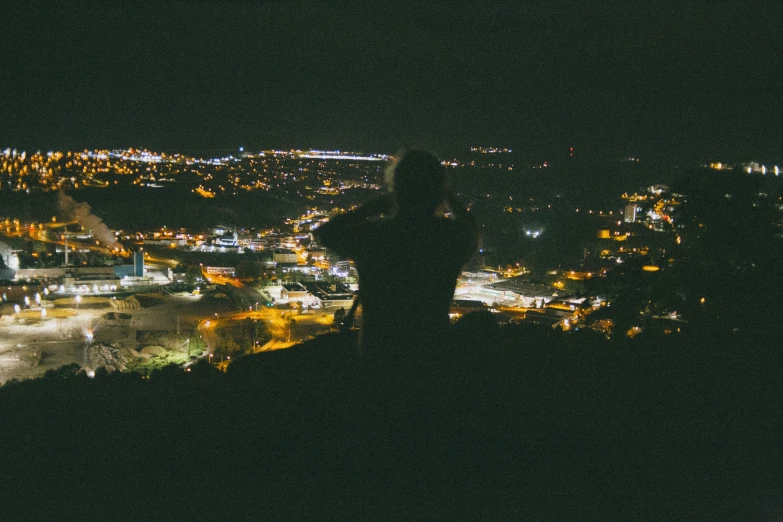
(407, 253)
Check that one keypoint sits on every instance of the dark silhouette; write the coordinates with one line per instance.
(409, 246)
(520, 422)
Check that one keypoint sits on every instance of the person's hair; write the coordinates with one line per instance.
(417, 180)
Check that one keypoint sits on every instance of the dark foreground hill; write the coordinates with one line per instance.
(504, 424)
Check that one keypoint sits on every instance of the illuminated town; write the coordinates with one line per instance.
(431, 261)
(74, 288)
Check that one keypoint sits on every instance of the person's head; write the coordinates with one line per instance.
(418, 182)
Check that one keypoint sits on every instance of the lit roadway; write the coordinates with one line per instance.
(286, 326)
(218, 279)
(160, 260)
(207, 330)
(35, 233)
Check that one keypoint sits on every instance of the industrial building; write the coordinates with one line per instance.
(228, 271)
(509, 292)
(327, 295)
(293, 292)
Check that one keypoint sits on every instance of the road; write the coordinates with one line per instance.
(287, 327)
(207, 328)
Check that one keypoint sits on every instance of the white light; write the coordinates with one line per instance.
(17, 308)
(764, 169)
(342, 157)
(777, 171)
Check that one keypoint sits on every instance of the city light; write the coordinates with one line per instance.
(321, 178)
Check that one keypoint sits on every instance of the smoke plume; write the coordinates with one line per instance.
(72, 209)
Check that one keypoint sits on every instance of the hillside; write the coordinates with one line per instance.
(512, 423)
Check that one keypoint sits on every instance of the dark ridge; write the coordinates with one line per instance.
(497, 423)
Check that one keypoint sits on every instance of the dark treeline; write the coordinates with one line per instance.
(132, 208)
(500, 423)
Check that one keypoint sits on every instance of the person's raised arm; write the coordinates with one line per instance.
(341, 232)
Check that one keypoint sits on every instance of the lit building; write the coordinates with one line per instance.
(316, 254)
(138, 264)
(227, 271)
(229, 239)
(91, 280)
(331, 295)
(342, 268)
(293, 292)
(630, 213)
(285, 257)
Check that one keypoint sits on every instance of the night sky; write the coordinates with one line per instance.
(679, 80)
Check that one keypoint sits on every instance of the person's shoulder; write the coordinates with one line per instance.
(373, 231)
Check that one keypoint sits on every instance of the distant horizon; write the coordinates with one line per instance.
(684, 83)
(519, 153)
